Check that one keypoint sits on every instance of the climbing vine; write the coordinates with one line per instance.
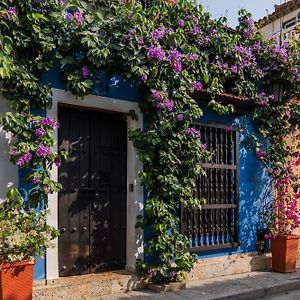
(175, 50)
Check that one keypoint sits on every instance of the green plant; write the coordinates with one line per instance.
(24, 233)
(176, 50)
(32, 150)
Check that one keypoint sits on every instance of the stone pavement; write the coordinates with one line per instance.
(254, 285)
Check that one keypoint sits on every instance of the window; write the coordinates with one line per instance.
(215, 225)
(289, 23)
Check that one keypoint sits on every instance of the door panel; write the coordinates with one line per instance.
(92, 205)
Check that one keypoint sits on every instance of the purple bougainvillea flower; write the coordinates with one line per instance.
(156, 53)
(36, 180)
(144, 77)
(141, 41)
(40, 132)
(69, 17)
(177, 67)
(85, 72)
(58, 162)
(192, 57)
(180, 117)
(169, 104)
(79, 18)
(175, 55)
(156, 95)
(191, 131)
(229, 128)
(181, 23)
(197, 86)
(234, 69)
(24, 159)
(50, 122)
(261, 153)
(158, 34)
(43, 151)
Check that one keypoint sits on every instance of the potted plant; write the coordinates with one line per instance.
(162, 278)
(24, 234)
(285, 219)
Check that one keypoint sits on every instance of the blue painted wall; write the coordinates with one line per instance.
(108, 86)
(252, 174)
(113, 86)
(253, 181)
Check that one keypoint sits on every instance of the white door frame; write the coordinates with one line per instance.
(135, 201)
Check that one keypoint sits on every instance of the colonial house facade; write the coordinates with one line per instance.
(102, 196)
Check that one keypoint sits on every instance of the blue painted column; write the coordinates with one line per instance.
(25, 188)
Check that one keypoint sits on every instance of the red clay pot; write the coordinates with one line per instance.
(284, 253)
(16, 281)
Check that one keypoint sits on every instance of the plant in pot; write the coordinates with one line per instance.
(24, 234)
(285, 220)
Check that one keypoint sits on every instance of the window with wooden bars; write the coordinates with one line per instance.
(216, 224)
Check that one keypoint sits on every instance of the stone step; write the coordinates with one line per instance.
(87, 286)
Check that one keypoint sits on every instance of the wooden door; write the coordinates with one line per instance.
(92, 205)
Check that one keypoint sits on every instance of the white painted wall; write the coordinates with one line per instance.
(274, 29)
(8, 171)
(135, 200)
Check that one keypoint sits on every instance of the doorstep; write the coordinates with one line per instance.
(86, 286)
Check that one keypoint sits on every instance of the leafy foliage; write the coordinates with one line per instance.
(176, 50)
(24, 234)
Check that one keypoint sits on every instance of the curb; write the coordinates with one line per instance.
(263, 293)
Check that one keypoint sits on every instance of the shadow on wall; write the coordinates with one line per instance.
(8, 171)
(254, 185)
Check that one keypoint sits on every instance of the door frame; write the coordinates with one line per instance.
(135, 199)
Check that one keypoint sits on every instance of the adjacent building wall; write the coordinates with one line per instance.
(8, 171)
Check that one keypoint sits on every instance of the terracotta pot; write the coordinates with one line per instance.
(16, 281)
(284, 253)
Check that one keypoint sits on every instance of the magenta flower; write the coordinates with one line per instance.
(79, 18)
(141, 41)
(192, 57)
(40, 132)
(36, 180)
(158, 34)
(156, 95)
(85, 72)
(180, 117)
(10, 12)
(229, 128)
(69, 17)
(50, 122)
(177, 67)
(181, 23)
(24, 159)
(144, 77)
(261, 153)
(43, 151)
(175, 55)
(57, 162)
(169, 104)
(191, 131)
(156, 53)
(234, 69)
(197, 86)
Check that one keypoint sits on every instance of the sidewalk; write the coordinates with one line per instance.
(254, 285)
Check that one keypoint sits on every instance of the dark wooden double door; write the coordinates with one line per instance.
(92, 204)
